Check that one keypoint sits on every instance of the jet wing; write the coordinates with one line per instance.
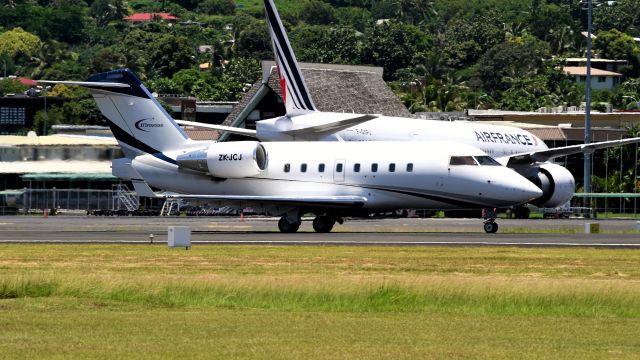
(337, 201)
(231, 129)
(544, 155)
(317, 131)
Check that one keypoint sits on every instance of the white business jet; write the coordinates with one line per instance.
(516, 148)
(288, 179)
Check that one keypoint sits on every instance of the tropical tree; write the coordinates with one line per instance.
(392, 45)
(17, 42)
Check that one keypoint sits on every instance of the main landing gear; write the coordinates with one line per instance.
(324, 223)
(321, 224)
(287, 226)
(490, 225)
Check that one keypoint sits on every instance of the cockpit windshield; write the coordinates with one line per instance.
(462, 160)
(487, 161)
(473, 160)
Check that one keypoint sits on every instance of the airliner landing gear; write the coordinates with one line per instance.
(286, 226)
(490, 225)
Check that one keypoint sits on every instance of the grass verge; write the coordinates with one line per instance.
(97, 301)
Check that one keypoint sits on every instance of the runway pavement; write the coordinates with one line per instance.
(224, 230)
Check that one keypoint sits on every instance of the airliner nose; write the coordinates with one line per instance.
(530, 190)
(522, 190)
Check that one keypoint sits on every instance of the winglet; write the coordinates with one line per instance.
(295, 93)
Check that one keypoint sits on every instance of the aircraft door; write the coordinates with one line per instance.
(338, 171)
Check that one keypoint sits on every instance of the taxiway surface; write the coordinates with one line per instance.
(225, 230)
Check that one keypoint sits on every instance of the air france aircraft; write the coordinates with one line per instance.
(516, 148)
(288, 179)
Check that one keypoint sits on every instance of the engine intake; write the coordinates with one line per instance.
(557, 185)
(227, 160)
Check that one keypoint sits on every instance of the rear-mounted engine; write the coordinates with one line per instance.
(227, 160)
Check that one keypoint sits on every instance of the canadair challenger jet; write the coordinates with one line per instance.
(516, 148)
(288, 179)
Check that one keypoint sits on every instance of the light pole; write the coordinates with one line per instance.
(587, 120)
(46, 116)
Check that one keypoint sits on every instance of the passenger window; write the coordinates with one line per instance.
(392, 167)
(374, 167)
(321, 168)
(303, 168)
(462, 160)
(410, 167)
(339, 167)
(356, 168)
(287, 167)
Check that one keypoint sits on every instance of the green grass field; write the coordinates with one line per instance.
(99, 301)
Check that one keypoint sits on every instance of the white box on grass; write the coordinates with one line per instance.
(179, 236)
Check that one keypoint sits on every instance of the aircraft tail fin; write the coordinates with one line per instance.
(137, 120)
(295, 93)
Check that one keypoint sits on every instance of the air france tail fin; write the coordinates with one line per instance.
(137, 120)
(295, 93)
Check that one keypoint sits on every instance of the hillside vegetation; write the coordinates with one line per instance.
(439, 55)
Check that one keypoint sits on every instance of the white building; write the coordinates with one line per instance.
(600, 79)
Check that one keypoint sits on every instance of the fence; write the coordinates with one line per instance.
(36, 200)
(610, 203)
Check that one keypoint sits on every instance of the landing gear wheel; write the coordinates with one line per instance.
(323, 224)
(286, 227)
(490, 227)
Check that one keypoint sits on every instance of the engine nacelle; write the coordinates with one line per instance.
(557, 185)
(235, 159)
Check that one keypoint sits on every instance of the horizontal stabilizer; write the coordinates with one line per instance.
(318, 131)
(91, 84)
(231, 129)
(349, 201)
(143, 189)
(545, 155)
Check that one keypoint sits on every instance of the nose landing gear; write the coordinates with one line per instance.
(490, 225)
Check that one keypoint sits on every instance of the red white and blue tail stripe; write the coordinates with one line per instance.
(295, 93)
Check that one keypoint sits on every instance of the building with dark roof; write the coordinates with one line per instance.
(335, 88)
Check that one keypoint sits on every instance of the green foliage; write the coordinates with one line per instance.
(356, 17)
(18, 42)
(616, 45)
(317, 12)
(219, 7)
(620, 14)
(11, 86)
(327, 44)
(466, 40)
(107, 59)
(44, 120)
(66, 70)
(518, 57)
(254, 41)
(392, 45)
(458, 50)
(226, 85)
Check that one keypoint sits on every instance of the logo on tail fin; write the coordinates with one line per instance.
(294, 89)
(143, 125)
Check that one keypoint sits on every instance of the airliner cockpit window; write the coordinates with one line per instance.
(487, 161)
(462, 160)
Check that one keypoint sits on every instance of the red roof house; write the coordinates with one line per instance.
(144, 17)
(27, 82)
